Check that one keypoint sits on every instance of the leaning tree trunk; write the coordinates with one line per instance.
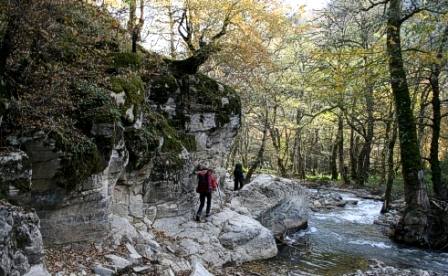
(440, 189)
(259, 158)
(413, 225)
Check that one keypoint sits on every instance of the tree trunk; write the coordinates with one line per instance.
(413, 225)
(298, 160)
(334, 155)
(276, 143)
(342, 167)
(259, 158)
(440, 189)
(354, 146)
(390, 140)
(131, 24)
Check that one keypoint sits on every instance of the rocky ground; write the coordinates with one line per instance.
(239, 230)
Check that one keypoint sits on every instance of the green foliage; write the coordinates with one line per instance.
(81, 158)
(318, 178)
(126, 59)
(94, 105)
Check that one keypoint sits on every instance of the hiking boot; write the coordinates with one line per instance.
(198, 218)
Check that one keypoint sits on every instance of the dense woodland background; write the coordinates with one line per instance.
(316, 88)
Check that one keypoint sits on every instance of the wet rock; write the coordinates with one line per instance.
(379, 268)
(327, 200)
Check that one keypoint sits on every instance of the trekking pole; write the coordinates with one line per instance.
(219, 193)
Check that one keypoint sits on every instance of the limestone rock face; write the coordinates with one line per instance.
(226, 237)
(21, 246)
(137, 170)
(278, 203)
(15, 172)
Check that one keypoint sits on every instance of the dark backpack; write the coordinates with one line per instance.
(203, 186)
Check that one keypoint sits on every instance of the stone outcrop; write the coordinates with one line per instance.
(227, 237)
(133, 179)
(127, 135)
(280, 204)
(21, 246)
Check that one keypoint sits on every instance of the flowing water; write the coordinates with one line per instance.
(343, 240)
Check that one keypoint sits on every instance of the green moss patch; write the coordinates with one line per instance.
(126, 59)
(81, 158)
(162, 88)
(94, 105)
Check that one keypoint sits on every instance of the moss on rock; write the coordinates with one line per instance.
(94, 105)
(126, 59)
(81, 158)
(162, 88)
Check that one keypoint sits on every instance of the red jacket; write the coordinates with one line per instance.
(206, 182)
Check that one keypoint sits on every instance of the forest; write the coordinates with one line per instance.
(354, 93)
(319, 96)
(351, 95)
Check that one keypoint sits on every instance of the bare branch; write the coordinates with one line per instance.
(374, 4)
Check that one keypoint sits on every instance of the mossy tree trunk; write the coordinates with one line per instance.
(413, 225)
(440, 189)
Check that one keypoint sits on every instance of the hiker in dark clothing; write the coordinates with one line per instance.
(205, 190)
(238, 177)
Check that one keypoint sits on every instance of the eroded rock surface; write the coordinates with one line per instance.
(21, 247)
(227, 237)
(279, 204)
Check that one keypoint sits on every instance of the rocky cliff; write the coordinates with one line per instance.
(92, 130)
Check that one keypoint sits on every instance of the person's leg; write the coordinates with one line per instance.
(241, 183)
(201, 205)
(235, 185)
(209, 204)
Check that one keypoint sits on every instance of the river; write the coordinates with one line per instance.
(344, 240)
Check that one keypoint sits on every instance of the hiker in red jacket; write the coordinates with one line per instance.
(206, 185)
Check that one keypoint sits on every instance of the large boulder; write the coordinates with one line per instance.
(278, 203)
(226, 237)
(21, 247)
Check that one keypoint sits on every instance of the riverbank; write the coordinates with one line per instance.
(346, 240)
